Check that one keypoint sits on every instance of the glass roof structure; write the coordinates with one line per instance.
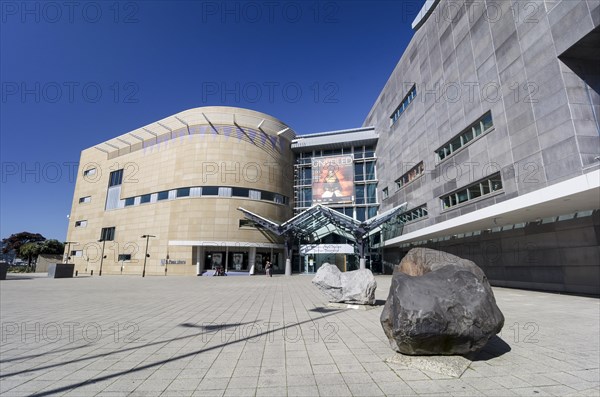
(319, 221)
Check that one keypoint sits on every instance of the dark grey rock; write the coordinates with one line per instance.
(356, 286)
(439, 304)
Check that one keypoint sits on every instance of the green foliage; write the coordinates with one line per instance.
(52, 246)
(17, 240)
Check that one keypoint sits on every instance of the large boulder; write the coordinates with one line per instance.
(439, 304)
(357, 286)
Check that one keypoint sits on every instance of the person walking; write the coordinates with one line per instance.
(269, 269)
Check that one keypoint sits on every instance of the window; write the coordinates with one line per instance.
(408, 99)
(475, 130)
(129, 201)
(414, 214)
(80, 223)
(359, 173)
(145, 198)
(225, 191)
(360, 194)
(411, 175)
(240, 192)
(210, 190)
(369, 151)
(91, 171)
(86, 199)
(116, 178)
(369, 170)
(77, 253)
(371, 212)
(163, 195)
(489, 185)
(255, 194)
(371, 193)
(107, 234)
(183, 192)
(386, 193)
(361, 213)
(124, 257)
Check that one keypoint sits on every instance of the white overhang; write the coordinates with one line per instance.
(576, 194)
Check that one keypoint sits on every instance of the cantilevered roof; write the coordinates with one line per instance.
(319, 220)
(335, 139)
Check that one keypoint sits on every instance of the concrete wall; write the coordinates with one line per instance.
(560, 256)
(196, 159)
(531, 65)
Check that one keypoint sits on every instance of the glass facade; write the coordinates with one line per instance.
(365, 203)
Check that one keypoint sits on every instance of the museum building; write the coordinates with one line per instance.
(484, 142)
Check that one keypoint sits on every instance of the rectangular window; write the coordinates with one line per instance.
(86, 199)
(183, 192)
(210, 190)
(475, 130)
(91, 171)
(360, 194)
(371, 212)
(361, 214)
(116, 178)
(124, 257)
(414, 214)
(225, 192)
(164, 195)
(473, 191)
(129, 201)
(107, 234)
(240, 192)
(369, 170)
(386, 193)
(145, 199)
(77, 253)
(371, 193)
(255, 194)
(80, 223)
(407, 100)
(411, 175)
(359, 172)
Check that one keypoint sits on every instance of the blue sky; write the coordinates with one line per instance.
(74, 76)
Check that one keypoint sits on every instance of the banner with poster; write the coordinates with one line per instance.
(238, 260)
(217, 260)
(333, 179)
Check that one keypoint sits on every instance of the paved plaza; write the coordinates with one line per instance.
(259, 336)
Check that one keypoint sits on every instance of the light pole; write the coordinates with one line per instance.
(66, 260)
(147, 237)
(103, 241)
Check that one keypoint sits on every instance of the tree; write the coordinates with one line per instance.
(16, 241)
(52, 246)
(29, 251)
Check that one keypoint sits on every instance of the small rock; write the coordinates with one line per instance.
(357, 286)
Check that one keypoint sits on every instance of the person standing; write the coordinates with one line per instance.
(269, 269)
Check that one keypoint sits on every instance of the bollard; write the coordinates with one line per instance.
(92, 272)
(76, 273)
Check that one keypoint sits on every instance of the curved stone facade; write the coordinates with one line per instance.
(182, 180)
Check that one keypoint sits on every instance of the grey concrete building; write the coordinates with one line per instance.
(488, 129)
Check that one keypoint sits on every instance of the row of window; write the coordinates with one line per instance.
(475, 130)
(411, 175)
(414, 214)
(207, 191)
(471, 192)
(359, 152)
(359, 213)
(407, 100)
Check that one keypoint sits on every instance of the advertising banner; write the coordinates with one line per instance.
(333, 179)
